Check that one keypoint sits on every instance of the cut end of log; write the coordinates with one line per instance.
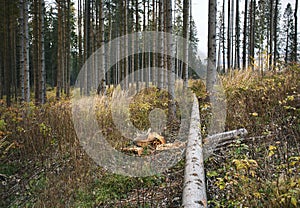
(152, 139)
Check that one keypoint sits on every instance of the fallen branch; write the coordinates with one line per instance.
(228, 142)
(225, 135)
(217, 140)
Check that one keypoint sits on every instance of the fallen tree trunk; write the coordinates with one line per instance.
(228, 142)
(194, 191)
(215, 141)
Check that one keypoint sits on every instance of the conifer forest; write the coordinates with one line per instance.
(116, 103)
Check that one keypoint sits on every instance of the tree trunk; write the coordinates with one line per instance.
(223, 36)
(13, 47)
(125, 49)
(287, 42)
(137, 60)
(212, 142)
(144, 69)
(21, 48)
(80, 54)
(237, 36)
(185, 67)
(275, 33)
(171, 73)
(59, 50)
(295, 58)
(41, 51)
(35, 43)
(87, 45)
(161, 45)
(271, 35)
(229, 37)
(252, 34)
(245, 35)
(7, 55)
(232, 55)
(108, 80)
(154, 55)
(211, 64)
(102, 72)
(194, 191)
(67, 49)
(26, 54)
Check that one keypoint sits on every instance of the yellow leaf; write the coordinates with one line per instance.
(290, 98)
(271, 153)
(271, 150)
(255, 114)
(294, 201)
(257, 195)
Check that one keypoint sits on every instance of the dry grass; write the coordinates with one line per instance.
(44, 163)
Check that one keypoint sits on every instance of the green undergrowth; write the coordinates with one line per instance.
(43, 164)
(264, 170)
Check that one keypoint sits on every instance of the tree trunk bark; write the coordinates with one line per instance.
(161, 46)
(252, 34)
(68, 48)
(271, 35)
(223, 36)
(88, 44)
(154, 55)
(171, 73)
(59, 50)
(194, 191)
(26, 54)
(137, 59)
(125, 50)
(211, 64)
(229, 37)
(7, 55)
(212, 142)
(21, 49)
(275, 34)
(41, 51)
(245, 35)
(237, 36)
(185, 67)
(295, 59)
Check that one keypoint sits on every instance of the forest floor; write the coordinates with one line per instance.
(43, 164)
